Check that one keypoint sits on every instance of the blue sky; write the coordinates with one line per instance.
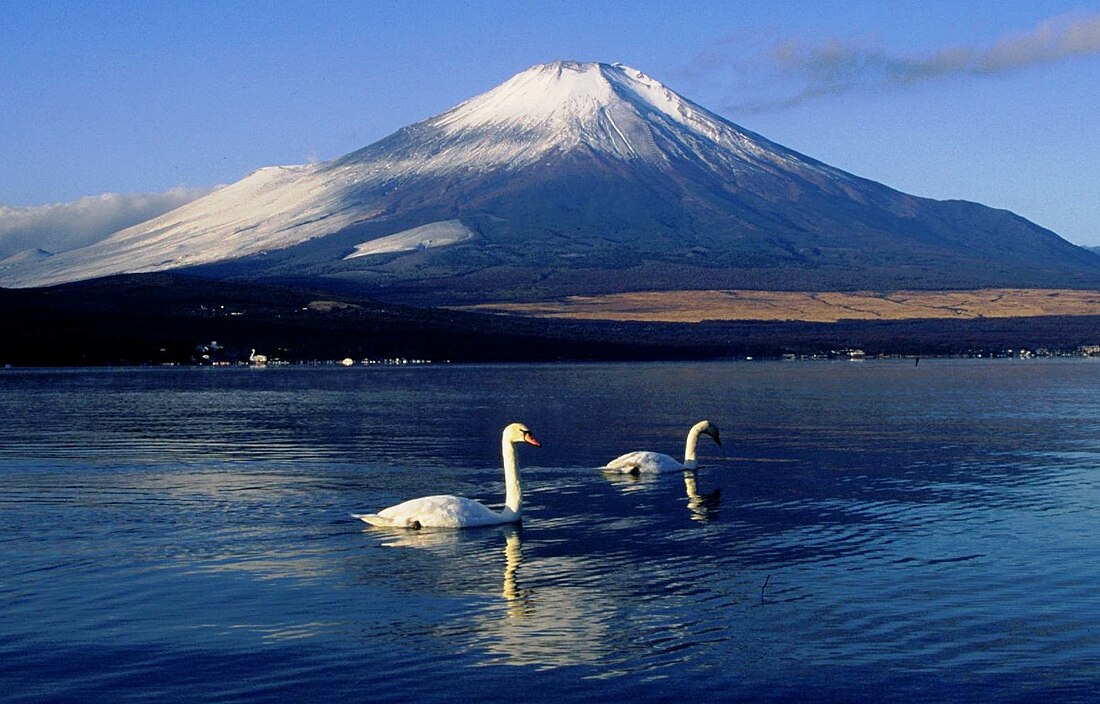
(992, 101)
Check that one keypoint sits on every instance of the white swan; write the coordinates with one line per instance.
(456, 511)
(645, 461)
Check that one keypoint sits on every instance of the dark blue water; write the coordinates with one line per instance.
(883, 532)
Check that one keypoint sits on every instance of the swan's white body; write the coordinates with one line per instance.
(644, 461)
(447, 511)
(443, 511)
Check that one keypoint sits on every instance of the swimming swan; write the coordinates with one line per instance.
(645, 461)
(456, 511)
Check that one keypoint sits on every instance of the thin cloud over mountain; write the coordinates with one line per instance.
(58, 227)
(836, 65)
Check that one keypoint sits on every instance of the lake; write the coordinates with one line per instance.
(881, 531)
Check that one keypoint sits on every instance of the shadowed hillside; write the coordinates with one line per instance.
(161, 318)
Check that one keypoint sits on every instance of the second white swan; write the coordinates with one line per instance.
(459, 512)
(644, 461)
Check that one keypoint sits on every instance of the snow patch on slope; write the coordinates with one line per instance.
(430, 236)
(27, 255)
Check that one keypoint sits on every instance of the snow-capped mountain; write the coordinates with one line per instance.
(556, 108)
(577, 178)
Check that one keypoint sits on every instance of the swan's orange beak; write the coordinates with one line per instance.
(530, 439)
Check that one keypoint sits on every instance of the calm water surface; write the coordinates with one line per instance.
(883, 531)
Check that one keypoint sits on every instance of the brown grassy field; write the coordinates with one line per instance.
(697, 306)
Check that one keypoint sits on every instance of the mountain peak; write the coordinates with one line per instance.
(557, 106)
(567, 91)
(555, 92)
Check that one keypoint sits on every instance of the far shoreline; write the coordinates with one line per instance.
(155, 319)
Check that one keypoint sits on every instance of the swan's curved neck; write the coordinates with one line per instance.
(513, 494)
(689, 449)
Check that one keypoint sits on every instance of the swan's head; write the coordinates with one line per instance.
(518, 432)
(708, 428)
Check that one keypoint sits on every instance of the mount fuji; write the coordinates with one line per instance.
(576, 178)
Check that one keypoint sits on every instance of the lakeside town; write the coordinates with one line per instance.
(207, 354)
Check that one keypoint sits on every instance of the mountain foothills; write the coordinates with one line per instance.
(575, 178)
(169, 318)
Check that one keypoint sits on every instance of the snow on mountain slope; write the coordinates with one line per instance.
(550, 107)
(25, 256)
(570, 174)
(273, 208)
(611, 108)
(553, 108)
(436, 234)
(546, 110)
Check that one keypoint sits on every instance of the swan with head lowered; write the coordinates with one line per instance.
(459, 512)
(644, 461)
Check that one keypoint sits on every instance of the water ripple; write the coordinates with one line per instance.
(925, 532)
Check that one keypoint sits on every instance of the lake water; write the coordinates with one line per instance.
(884, 532)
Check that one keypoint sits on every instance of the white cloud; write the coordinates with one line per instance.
(838, 65)
(58, 227)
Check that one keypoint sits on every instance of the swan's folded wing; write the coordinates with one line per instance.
(643, 461)
(624, 463)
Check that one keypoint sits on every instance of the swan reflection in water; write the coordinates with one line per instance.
(703, 506)
(628, 482)
(518, 600)
(540, 613)
(555, 624)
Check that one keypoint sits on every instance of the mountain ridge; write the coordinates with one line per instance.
(575, 178)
